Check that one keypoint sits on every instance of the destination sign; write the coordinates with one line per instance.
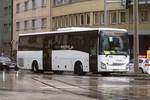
(113, 34)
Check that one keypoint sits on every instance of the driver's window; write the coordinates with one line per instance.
(105, 43)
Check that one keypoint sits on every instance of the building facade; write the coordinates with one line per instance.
(144, 25)
(30, 16)
(47, 15)
(90, 13)
(6, 26)
(87, 13)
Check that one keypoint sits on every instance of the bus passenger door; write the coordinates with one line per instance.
(93, 64)
(47, 51)
(93, 55)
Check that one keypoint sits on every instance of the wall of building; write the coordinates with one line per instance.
(25, 15)
(144, 19)
(76, 14)
(5, 26)
(84, 6)
(144, 27)
(69, 14)
(1, 22)
(82, 13)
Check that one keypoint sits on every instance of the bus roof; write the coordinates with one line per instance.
(73, 29)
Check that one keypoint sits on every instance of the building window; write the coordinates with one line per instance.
(54, 21)
(66, 19)
(61, 2)
(87, 18)
(62, 21)
(122, 17)
(59, 22)
(101, 17)
(32, 40)
(6, 28)
(44, 2)
(18, 8)
(71, 17)
(57, 2)
(26, 5)
(17, 26)
(33, 4)
(33, 23)
(76, 20)
(43, 23)
(26, 25)
(113, 17)
(96, 18)
(73, 1)
(5, 11)
(144, 16)
(81, 19)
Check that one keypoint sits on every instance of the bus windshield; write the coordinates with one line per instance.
(115, 45)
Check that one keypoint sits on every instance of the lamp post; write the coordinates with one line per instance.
(136, 36)
(11, 43)
(105, 13)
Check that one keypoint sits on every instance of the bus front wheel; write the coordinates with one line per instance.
(35, 67)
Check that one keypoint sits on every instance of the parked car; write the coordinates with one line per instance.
(6, 63)
(144, 65)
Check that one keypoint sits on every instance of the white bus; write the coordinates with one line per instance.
(80, 50)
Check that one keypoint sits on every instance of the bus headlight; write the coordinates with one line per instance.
(103, 65)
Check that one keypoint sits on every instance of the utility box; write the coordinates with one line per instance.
(148, 54)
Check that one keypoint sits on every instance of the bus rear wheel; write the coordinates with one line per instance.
(35, 67)
(78, 69)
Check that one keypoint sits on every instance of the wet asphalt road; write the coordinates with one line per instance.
(28, 86)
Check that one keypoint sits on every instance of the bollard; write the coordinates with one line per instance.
(3, 75)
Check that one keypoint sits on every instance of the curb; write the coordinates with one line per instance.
(131, 75)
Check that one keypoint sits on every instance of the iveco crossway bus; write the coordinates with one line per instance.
(75, 49)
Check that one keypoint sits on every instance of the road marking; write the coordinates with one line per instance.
(60, 87)
(46, 87)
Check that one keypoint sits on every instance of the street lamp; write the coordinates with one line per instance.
(136, 36)
(105, 13)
